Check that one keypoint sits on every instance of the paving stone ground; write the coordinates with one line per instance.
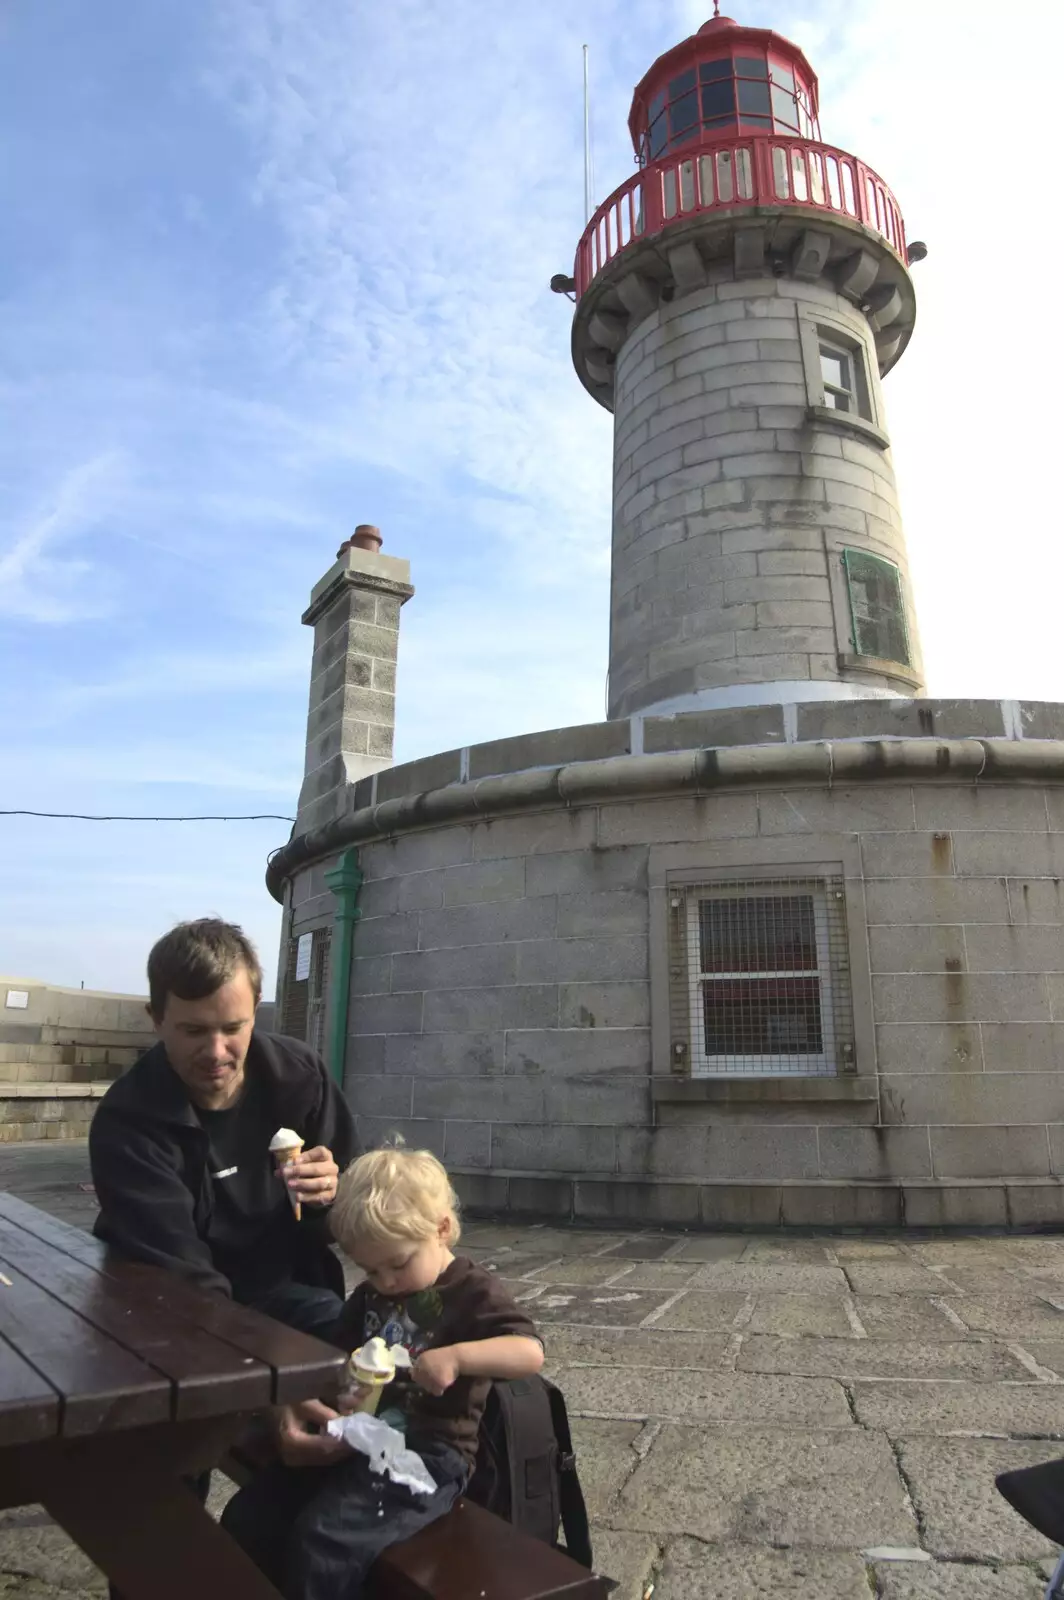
(756, 1416)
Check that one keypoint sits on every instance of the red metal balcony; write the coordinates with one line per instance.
(764, 171)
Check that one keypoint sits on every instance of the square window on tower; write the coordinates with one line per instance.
(836, 369)
(843, 375)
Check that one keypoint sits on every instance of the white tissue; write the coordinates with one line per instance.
(386, 1449)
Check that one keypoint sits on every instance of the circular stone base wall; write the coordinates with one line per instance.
(510, 988)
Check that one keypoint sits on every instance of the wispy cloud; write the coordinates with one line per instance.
(282, 268)
(37, 583)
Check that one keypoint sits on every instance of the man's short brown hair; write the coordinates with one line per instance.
(194, 959)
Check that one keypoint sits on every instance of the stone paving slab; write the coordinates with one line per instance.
(754, 1414)
(695, 1571)
(812, 1489)
(708, 1397)
(908, 1316)
(607, 1459)
(36, 1552)
(706, 1313)
(793, 1277)
(709, 1247)
(892, 1277)
(794, 1315)
(956, 1581)
(595, 1307)
(629, 1558)
(1033, 1410)
(961, 1513)
(1020, 1280)
(1008, 1316)
(1049, 1353)
(580, 1271)
(635, 1347)
(672, 1275)
(880, 1358)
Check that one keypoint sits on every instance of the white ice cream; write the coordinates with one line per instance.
(375, 1357)
(284, 1139)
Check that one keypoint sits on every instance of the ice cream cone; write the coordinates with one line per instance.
(372, 1368)
(283, 1156)
(373, 1382)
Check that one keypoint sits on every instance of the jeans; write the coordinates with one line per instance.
(300, 1306)
(316, 1531)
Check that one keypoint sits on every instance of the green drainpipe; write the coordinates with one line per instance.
(345, 881)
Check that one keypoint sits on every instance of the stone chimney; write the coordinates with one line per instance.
(354, 611)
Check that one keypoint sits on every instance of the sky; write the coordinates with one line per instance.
(272, 268)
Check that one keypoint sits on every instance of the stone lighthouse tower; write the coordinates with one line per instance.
(738, 302)
(780, 941)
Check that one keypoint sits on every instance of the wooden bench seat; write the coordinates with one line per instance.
(470, 1553)
(466, 1554)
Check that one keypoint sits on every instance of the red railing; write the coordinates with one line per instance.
(750, 172)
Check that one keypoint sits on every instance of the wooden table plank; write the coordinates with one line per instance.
(29, 1407)
(102, 1385)
(303, 1367)
(209, 1375)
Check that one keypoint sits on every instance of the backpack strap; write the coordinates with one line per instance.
(574, 1511)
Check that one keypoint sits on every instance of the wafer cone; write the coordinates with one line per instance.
(284, 1158)
(375, 1382)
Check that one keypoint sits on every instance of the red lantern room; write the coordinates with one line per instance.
(724, 80)
(726, 131)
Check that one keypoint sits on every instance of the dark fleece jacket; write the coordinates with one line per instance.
(150, 1169)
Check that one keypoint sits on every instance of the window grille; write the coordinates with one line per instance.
(877, 607)
(303, 1014)
(760, 977)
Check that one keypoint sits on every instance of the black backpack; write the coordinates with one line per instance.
(526, 1468)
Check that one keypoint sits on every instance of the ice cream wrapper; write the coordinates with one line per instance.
(386, 1449)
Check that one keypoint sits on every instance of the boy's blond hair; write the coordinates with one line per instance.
(394, 1193)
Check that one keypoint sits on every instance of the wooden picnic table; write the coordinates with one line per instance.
(119, 1380)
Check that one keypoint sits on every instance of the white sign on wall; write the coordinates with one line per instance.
(303, 956)
(18, 999)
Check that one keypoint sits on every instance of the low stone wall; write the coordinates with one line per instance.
(698, 730)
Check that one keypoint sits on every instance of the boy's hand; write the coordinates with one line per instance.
(436, 1370)
(297, 1447)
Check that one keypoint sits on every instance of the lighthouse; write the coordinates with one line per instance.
(779, 941)
(738, 302)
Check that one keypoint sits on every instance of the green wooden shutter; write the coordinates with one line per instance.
(877, 607)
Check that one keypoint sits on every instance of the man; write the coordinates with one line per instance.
(179, 1146)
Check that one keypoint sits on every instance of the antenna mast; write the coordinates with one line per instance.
(589, 171)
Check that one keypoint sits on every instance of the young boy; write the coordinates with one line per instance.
(316, 1522)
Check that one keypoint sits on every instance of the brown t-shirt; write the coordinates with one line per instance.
(464, 1304)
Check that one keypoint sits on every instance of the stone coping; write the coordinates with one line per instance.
(823, 742)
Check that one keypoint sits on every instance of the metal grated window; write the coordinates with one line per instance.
(303, 1014)
(760, 977)
(877, 607)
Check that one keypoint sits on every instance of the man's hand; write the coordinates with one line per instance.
(297, 1447)
(436, 1370)
(312, 1177)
